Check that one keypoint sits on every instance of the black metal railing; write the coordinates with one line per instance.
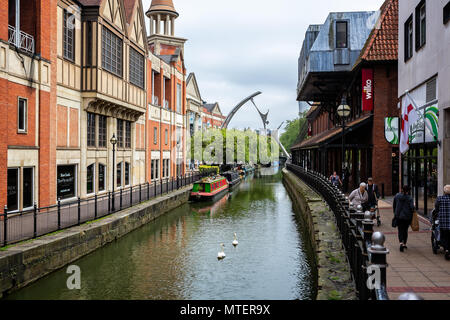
(364, 248)
(30, 224)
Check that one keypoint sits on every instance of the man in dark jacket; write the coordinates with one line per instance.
(443, 209)
(374, 194)
(403, 212)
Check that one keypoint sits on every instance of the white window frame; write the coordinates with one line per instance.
(25, 115)
(33, 188)
(94, 178)
(105, 178)
(19, 189)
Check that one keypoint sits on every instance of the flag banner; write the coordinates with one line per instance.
(391, 126)
(409, 118)
(367, 87)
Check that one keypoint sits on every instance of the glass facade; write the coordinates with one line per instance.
(419, 171)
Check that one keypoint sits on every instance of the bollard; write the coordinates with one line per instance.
(378, 257)
(109, 202)
(148, 190)
(140, 193)
(120, 202)
(368, 227)
(35, 221)
(410, 296)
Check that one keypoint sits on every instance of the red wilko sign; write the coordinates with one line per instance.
(367, 88)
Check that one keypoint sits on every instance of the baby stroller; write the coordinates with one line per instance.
(435, 232)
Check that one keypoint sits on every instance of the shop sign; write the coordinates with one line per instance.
(367, 89)
(66, 182)
(426, 129)
(391, 133)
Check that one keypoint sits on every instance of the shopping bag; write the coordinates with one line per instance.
(415, 222)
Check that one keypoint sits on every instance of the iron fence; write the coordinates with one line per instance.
(364, 248)
(30, 224)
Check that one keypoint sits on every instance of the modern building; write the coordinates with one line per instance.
(367, 82)
(326, 75)
(424, 71)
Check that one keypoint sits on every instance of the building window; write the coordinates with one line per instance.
(101, 177)
(421, 26)
(89, 43)
(91, 129)
(341, 34)
(166, 136)
(136, 68)
(111, 52)
(178, 98)
(102, 131)
(119, 133)
(69, 35)
(13, 189)
(155, 135)
(447, 13)
(157, 169)
(28, 186)
(127, 134)
(22, 114)
(152, 170)
(127, 173)
(409, 38)
(90, 176)
(119, 174)
(66, 182)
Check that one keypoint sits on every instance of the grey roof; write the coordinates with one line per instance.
(209, 106)
(319, 54)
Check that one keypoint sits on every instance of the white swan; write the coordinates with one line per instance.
(221, 255)
(235, 242)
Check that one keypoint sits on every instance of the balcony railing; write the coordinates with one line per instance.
(21, 39)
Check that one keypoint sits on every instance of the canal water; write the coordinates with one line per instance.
(175, 257)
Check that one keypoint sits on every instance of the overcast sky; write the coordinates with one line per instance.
(238, 47)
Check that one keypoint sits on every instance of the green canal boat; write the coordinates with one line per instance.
(209, 189)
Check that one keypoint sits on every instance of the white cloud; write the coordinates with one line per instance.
(237, 47)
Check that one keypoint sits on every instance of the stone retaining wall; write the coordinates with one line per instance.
(333, 271)
(26, 262)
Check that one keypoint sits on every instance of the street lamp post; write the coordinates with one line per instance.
(113, 142)
(343, 112)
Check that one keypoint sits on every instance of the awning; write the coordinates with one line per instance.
(329, 136)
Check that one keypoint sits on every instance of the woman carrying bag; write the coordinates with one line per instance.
(403, 215)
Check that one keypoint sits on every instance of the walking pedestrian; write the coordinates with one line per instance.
(442, 207)
(359, 196)
(335, 179)
(373, 193)
(403, 215)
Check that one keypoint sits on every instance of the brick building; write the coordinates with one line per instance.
(364, 73)
(166, 122)
(72, 75)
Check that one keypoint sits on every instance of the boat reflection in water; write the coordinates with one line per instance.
(213, 208)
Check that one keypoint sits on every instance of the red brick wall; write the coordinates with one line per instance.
(3, 135)
(15, 138)
(385, 105)
(62, 126)
(73, 128)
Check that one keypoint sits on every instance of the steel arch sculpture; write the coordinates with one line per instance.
(236, 109)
